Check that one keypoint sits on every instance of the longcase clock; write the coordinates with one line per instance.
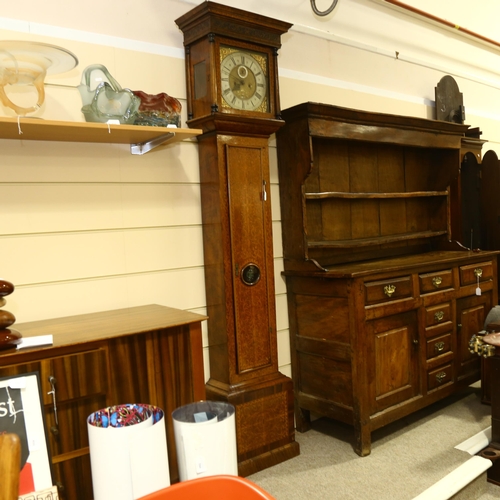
(233, 96)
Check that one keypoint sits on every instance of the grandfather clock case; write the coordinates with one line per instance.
(232, 86)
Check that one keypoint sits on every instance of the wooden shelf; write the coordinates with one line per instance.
(141, 138)
(381, 196)
(375, 241)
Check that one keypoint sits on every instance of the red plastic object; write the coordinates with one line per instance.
(212, 488)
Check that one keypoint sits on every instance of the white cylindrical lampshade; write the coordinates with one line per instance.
(205, 439)
(128, 451)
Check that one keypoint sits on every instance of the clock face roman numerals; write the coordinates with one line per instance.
(244, 81)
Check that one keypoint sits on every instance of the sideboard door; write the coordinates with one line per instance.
(393, 368)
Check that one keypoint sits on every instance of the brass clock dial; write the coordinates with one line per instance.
(244, 80)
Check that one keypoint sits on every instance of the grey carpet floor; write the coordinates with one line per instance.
(408, 456)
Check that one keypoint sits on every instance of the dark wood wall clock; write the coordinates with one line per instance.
(233, 96)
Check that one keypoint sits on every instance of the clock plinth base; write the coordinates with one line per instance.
(266, 460)
(265, 433)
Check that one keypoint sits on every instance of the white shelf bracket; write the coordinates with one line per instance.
(144, 147)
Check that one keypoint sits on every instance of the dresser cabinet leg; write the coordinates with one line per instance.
(363, 439)
(302, 419)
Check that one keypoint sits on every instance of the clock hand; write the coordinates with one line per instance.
(237, 81)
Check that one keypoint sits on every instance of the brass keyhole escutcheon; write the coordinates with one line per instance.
(439, 346)
(440, 377)
(436, 281)
(389, 290)
(478, 272)
(439, 316)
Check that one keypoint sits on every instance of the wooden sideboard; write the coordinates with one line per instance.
(148, 354)
(381, 303)
(366, 356)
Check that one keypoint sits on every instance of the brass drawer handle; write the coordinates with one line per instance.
(389, 290)
(478, 272)
(436, 281)
(440, 377)
(439, 316)
(439, 346)
(52, 382)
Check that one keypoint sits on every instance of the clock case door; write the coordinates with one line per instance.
(238, 234)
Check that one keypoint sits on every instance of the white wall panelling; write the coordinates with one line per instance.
(89, 227)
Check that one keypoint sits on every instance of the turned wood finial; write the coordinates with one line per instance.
(9, 337)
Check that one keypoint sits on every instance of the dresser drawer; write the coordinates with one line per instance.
(390, 289)
(470, 273)
(432, 282)
(439, 377)
(435, 315)
(438, 345)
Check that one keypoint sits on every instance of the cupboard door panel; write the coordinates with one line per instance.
(395, 376)
(70, 433)
(77, 375)
(74, 478)
(471, 313)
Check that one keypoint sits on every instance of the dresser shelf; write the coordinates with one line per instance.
(376, 240)
(381, 196)
(141, 138)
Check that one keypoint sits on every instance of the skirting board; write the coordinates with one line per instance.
(476, 443)
(458, 479)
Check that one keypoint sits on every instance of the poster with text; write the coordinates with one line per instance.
(21, 413)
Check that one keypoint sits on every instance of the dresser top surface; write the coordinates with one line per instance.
(405, 263)
(98, 326)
